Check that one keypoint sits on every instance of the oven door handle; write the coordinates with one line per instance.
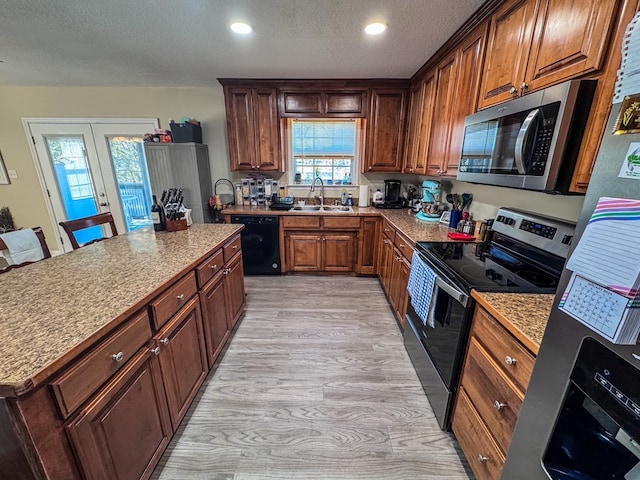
(461, 297)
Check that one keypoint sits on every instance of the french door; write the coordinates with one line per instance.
(90, 168)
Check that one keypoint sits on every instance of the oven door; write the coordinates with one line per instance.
(437, 353)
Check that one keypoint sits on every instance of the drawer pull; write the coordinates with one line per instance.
(165, 341)
(482, 458)
(118, 357)
(234, 247)
(402, 245)
(213, 267)
(499, 405)
(509, 360)
(180, 297)
(155, 351)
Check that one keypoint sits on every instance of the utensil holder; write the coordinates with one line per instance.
(454, 219)
(176, 225)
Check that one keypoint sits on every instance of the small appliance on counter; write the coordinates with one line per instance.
(392, 198)
(430, 208)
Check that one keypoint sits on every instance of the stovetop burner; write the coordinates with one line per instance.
(492, 267)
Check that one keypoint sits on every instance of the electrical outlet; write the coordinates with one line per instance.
(13, 174)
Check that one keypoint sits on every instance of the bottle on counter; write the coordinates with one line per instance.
(378, 197)
(343, 197)
(350, 200)
(157, 216)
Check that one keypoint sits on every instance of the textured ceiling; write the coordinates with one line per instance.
(188, 42)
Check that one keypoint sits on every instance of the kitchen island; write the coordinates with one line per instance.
(105, 347)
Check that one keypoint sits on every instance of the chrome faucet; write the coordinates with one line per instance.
(313, 188)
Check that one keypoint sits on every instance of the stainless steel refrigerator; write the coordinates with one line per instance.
(559, 412)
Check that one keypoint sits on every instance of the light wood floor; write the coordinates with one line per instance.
(316, 384)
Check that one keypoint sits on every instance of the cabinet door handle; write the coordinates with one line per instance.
(523, 88)
(165, 341)
(499, 405)
(370, 168)
(482, 458)
(513, 91)
(155, 351)
(118, 357)
(180, 297)
(510, 360)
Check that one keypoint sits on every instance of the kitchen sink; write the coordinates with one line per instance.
(327, 208)
(322, 208)
(306, 208)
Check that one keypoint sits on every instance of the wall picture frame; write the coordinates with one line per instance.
(4, 177)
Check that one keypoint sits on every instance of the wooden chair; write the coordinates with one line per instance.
(72, 226)
(45, 250)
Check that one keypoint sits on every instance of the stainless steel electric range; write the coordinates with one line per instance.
(526, 253)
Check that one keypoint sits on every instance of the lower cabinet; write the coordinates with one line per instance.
(494, 379)
(236, 299)
(331, 252)
(180, 347)
(395, 267)
(122, 432)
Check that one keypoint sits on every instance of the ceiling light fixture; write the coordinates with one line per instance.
(375, 28)
(241, 28)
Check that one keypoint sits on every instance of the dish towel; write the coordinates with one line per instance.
(22, 246)
(422, 283)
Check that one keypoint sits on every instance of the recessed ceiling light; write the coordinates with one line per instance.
(375, 28)
(241, 28)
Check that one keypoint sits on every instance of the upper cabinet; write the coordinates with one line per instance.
(440, 101)
(419, 129)
(253, 128)
(385, 130)
(536, 43)
(323, 104)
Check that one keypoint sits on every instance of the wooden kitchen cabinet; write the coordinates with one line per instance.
(180, 347)
(253, 128)
(421, 103)
(385, 130)
(495, 375)
(323, 103)
(315, 243)
(321, 252)
(537, 43)
(236, 298)
(396, 253)
(440, 101)
(368, 246)
(122, 432)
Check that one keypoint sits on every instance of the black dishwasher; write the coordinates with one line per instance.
(260, 244)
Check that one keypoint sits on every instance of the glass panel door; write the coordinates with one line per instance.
(73, 176)
(132, 178)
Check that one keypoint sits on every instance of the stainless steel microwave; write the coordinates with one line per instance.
(531, 142)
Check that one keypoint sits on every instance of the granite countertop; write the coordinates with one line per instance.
(402, 219)
(56, 306)
(525, 315)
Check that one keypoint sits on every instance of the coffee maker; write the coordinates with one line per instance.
(392, 198)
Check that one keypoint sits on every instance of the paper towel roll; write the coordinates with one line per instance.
(363, 196)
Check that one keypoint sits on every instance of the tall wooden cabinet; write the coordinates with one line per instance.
(440, 101)
(253, 128)
(537, 43)
(421, 103)
(182, 165)
(385, 130)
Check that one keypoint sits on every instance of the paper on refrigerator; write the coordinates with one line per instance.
(603, 290)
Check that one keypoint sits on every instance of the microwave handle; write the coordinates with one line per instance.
(521, 140)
